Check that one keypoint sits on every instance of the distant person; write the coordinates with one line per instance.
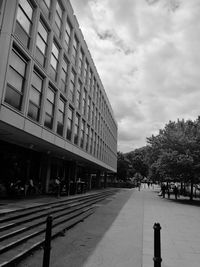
(168, 192)
(163, 190)
(176, 191)
(31, 187)
(139, 185)
(57, 187)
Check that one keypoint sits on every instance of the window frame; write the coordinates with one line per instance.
(40, 93)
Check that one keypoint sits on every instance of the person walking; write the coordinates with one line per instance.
(168, 192)
(57, 187)
(163, 189)
(176, 192)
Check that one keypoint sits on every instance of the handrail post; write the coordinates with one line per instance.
(157, 245)
(47, 243)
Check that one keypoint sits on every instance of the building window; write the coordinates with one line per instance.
(41, 43)
(68, 33)
(97, 95)
(97, 146)
(95, 142)
(61, 116)
(82, 133)
(54, 60)
(16, 79)
(86, 68)
(72, 86)
(76, 129)
(35, 96)
(78, 95)
(64, 74)
(84, 102)
(80, 62)
(74, 50)
(58, 19)
(91, 140)
(50, 106)
(93, 113)
(96, 118)
(90, 80)
(46, 5)
(24, 21)
(94, 89)
(87, 137)
(69, 123)
(89, 108)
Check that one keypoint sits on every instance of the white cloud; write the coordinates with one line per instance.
(147, 55)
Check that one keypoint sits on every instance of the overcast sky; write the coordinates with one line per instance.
(147, 53)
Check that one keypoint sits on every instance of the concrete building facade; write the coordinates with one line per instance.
(55, 117)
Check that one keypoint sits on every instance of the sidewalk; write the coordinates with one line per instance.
(120, 234)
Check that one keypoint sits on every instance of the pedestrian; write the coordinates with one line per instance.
(31, 187)
(139, 184)
(168, 192)
(176, 191)
(57, 187)
(163, 189)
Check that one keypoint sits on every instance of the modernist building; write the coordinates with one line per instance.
(55, 116)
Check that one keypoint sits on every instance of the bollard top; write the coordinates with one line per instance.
(49, 218)
(157, 226)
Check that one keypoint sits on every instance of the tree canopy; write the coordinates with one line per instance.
(173, 154)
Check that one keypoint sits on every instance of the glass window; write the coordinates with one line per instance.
(68, 32)
(76, 129)
(80, 63)
(87, 137)
(90, 79)
(16, 78)
(64, 74)
(78, 95)
(72, 86)
(86, 67)
(54, 60)
(35, 96)
(89, 109)
(61, 116)
(91, 141)
(74, 50)
(49, 108)
(58, 18)
(24, 21)
(69, 123)
(41, 43)
(45, 5)
(82, 133)
(94, 89)
(84, 102)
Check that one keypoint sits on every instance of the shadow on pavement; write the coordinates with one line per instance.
(74, 248)
(195, 202)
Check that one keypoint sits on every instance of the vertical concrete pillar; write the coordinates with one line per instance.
(98, 179)
(48, 175)
(89, 181)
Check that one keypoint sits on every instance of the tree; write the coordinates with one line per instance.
(176, 151)
(138, 160)
(122, 166)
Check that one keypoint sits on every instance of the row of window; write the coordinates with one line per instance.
(68, 124)
(63, 71)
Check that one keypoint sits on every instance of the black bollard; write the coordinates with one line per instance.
(157, 245)
(47, 243)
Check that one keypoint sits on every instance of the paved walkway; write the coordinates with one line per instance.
(120, 234)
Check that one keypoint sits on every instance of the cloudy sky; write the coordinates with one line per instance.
(147, 53)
